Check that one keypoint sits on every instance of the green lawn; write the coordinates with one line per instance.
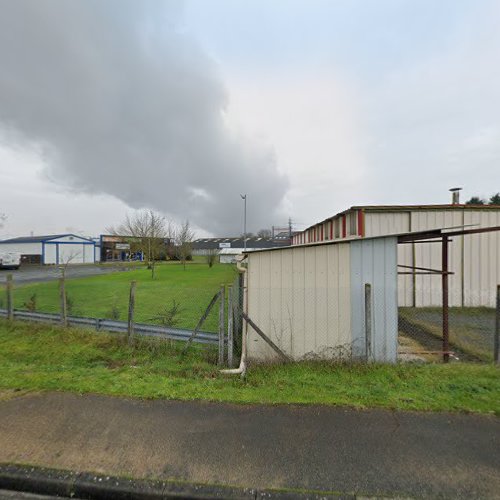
(36, 357)
(106, 296)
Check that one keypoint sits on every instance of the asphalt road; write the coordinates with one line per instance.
(375, 452)
(34, 274)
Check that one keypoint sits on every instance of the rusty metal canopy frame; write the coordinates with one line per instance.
(442, 236)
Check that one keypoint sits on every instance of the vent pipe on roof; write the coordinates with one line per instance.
(455, 196)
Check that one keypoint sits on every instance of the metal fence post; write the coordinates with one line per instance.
(221, 324)
(368, 321)
(10, 302)
(131, 308)
(230, 337)
(496, 347)
(62, 297)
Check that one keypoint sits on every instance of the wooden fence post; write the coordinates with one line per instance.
(368, 321)
(10, 302)
(62, 297)
(131, 308)
(222, 306)
(230, 336)
(496, 347)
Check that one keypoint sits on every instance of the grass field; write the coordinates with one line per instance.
(37, 357)
(471, 328)
(106, 296)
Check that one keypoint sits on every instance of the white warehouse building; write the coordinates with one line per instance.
(473, 259)
(53, 249)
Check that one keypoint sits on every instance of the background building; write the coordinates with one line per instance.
(53, 249)
(204, 246)
(474, 259)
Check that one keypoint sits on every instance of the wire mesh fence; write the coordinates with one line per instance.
(317, 322)
(471, 332)
(198, 314)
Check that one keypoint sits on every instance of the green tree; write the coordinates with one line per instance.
(495, 199)
(475, 200)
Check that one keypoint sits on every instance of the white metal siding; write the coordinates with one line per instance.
(385, 223)
(300, 298)
(481, 258)
(374, 261)
(474, 260)
(70, 239)
(22, 248)
(50, 255)
(88, 252)
(428, 290)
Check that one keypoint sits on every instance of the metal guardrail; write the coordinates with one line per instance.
(111, 325)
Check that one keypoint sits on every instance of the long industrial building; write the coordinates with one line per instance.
(474, 259)
(53, 249)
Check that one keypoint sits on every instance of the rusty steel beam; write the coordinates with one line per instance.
(414, 273)
(437, 271)
(446, 332)
(438, 233)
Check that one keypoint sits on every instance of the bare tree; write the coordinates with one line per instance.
(184, 240)
(264, 233)
(146, 233)
(3, 218)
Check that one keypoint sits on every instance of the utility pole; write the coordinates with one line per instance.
(290, 228)
(244, 197)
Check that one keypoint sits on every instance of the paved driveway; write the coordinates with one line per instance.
(34, 274)
(377, 452)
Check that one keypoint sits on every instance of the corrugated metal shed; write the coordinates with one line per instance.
(310, 299)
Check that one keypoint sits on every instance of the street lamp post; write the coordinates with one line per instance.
(244, 197)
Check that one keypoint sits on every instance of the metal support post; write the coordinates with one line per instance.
(446, 332)
(368, 321)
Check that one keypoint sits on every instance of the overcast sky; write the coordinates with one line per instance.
(307, 106)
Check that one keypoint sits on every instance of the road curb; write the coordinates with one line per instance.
(82, 485)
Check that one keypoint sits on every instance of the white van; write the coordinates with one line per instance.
(10, 260)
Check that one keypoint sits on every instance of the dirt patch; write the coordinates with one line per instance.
(427, 336)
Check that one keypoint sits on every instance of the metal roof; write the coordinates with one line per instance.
(405, 208)
(254, 242)
(41, 239)
(405, 237)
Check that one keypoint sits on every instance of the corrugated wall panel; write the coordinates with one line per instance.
(406, 281)
(50, 254)
(428, 287)
(375, 262)
(382, 223)
(300, 297)
(481, 260)
(22, 248)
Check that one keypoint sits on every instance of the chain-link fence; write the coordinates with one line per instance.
(194, 314)
(287, 322)
(471, 331)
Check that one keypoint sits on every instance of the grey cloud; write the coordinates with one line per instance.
(127, 104)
